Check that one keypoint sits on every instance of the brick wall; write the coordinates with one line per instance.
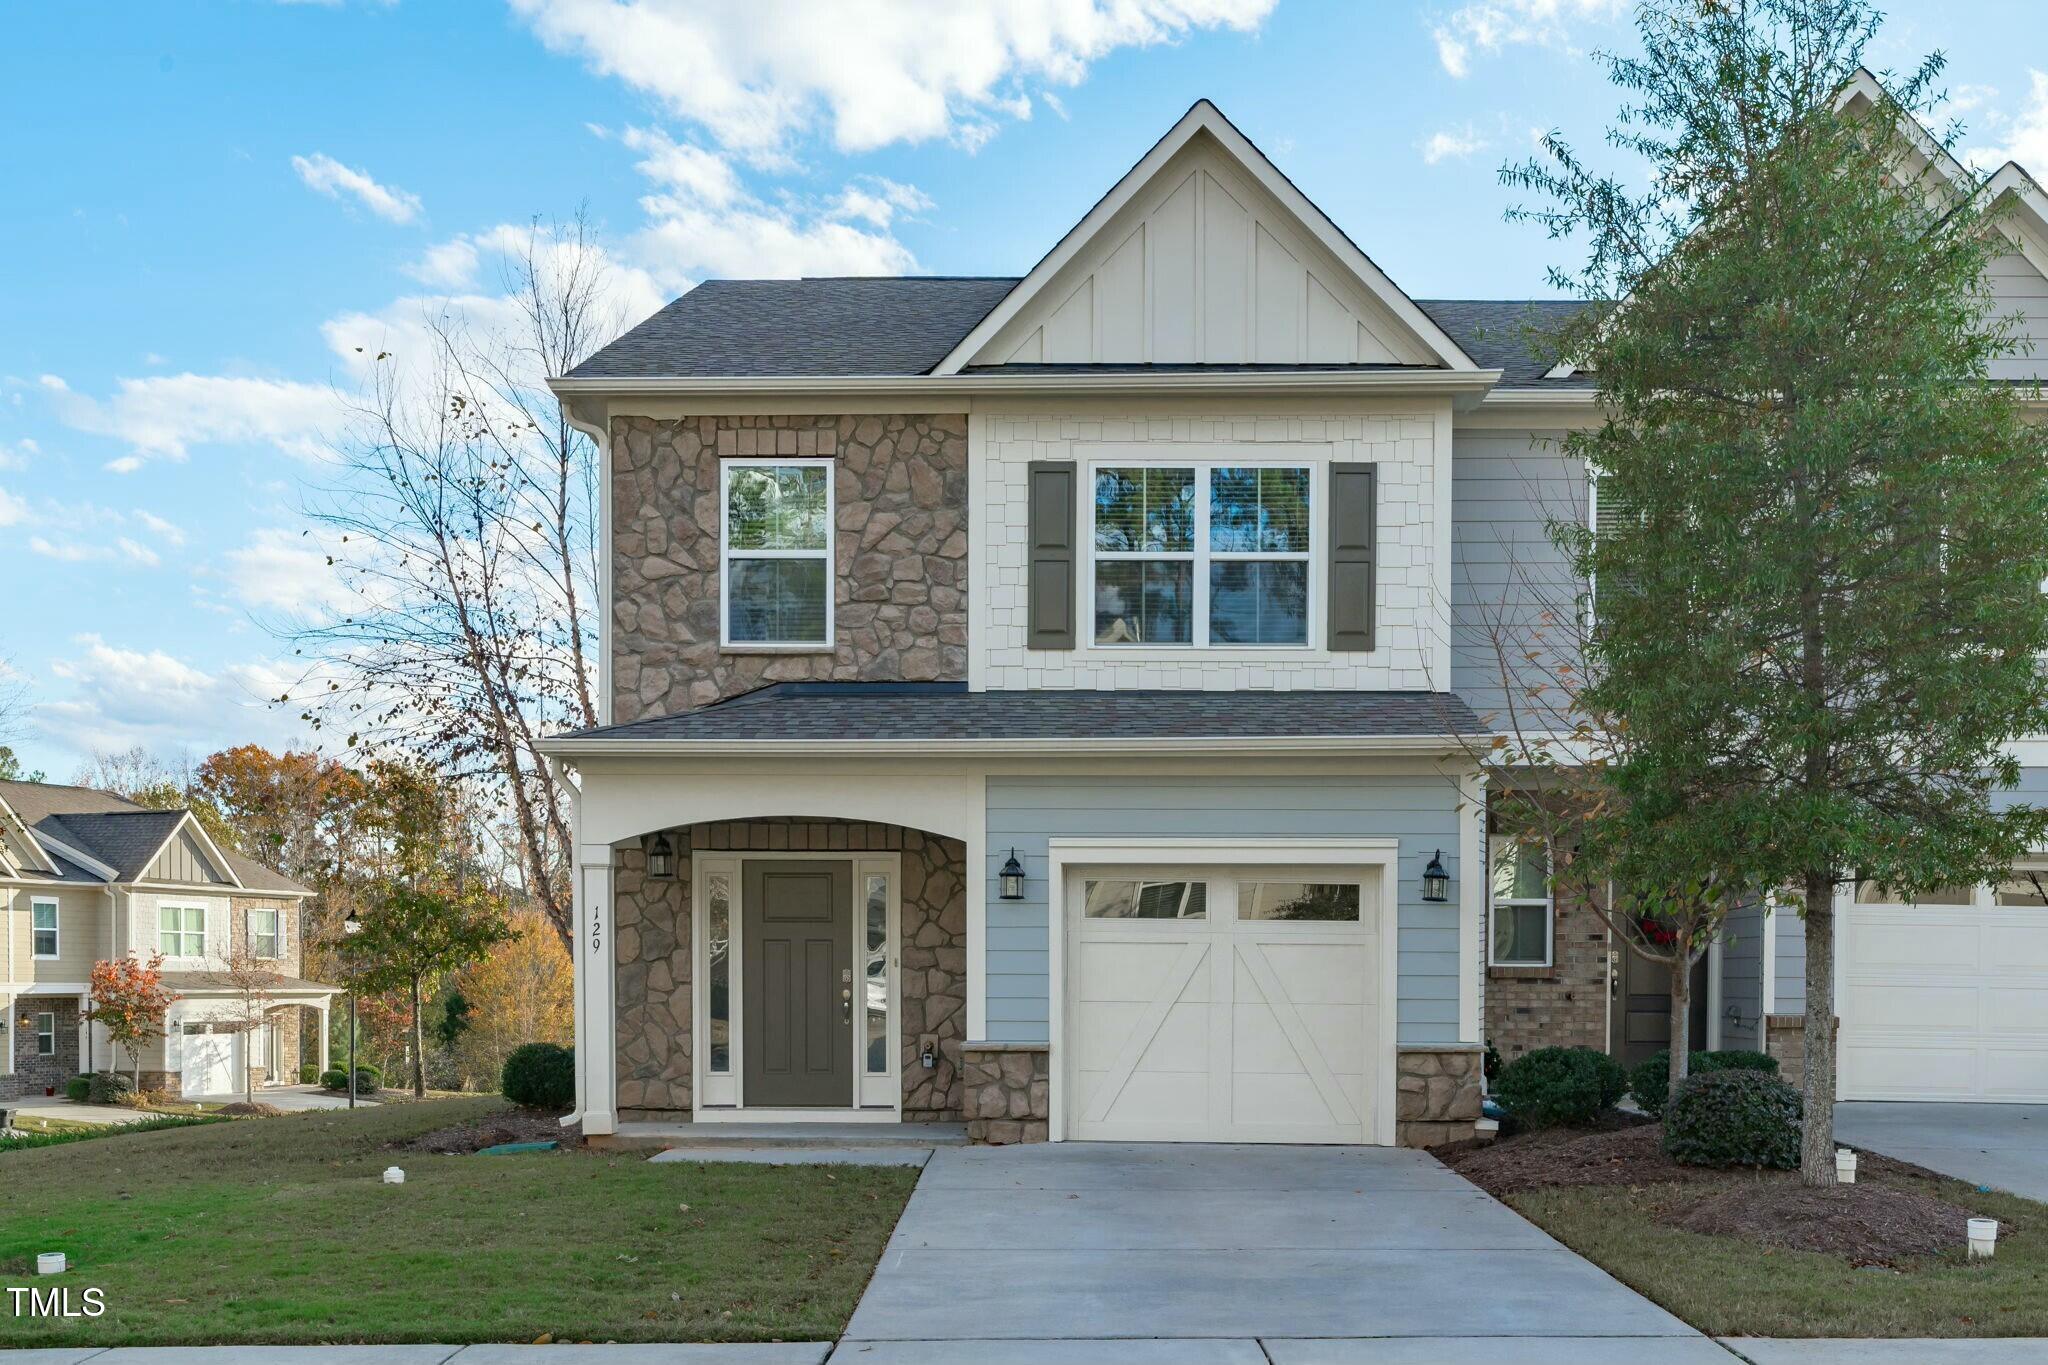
(33, 1074)
(901, 507)
(1562, 1005)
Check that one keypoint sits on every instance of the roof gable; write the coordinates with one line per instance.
(1204, 253)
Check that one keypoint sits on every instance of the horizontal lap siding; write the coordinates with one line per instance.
(1742, 976)
(2019, 293)
(1026, 813)
(1506, 489)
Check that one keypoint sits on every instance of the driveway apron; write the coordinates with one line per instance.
(2004, 1146)
(1215, 1243)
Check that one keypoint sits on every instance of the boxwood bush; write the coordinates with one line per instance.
(540, 1076)
(1649, 1081)
(334, 1078)
(1734, 1118)
(108, 1087)
(308, 1074)
(78, 1089)
(1555, 1086)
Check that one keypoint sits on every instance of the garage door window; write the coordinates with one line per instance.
(1137, 899)
(1327, 902)
(1877, 893)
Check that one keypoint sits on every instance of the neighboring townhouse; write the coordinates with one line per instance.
(86, 877)
(1047, 701)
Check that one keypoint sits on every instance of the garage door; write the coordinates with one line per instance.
(1946, 1001)
(1211, 1005)
(209, 1063)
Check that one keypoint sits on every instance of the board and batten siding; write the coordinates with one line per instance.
(1027, 812)
(183, 860)
(2019, 293)
(1506, 487)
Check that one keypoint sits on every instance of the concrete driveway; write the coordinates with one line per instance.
(1190, 1254)
(290, 1098)
(2004, 1146)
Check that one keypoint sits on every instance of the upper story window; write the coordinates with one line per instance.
(264, 938)
(776, 586)
(42, 928)
(1202, 554)
(181, 930)
(1521, 904)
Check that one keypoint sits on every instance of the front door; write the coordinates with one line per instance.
(796, 922)
(1643, 1008)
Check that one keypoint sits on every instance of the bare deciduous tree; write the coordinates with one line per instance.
(464, 528)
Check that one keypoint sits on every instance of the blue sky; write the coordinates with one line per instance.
(219, 200)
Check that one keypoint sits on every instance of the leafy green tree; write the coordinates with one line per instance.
(1820, 616)
(11, 769)
(413, 939)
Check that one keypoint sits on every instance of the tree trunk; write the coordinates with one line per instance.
(248, 1065)
(419, 1046)
(1817, 1145)
(1681, 1015)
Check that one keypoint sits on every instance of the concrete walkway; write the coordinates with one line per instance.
(1191, 1253)
(2004, 1146)
(291, 1098)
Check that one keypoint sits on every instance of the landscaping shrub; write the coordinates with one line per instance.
(1560, 1085)
(108, 1087)
(1649, 1081)
(540, 1076)
(369, 1079)
(1734, 1118)
(308, 1074)
(78, 1089)
(334, 1079)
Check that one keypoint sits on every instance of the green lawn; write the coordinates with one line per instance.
(1728, 1287)
(280, 1230)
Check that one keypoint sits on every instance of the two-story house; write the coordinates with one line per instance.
(87, 877)
(1047, 701)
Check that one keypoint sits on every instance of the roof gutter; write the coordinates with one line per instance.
(1064, 747)
(1068, 385)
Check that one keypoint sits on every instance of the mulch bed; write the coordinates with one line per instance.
(514, 1125)
(245, 1109)
(1877, 1222)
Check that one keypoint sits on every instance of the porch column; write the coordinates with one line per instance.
(596, 980)
(326, 1037)
(1472, 883)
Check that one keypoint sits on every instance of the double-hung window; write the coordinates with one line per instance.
(264, 940)
(42, 919)
(1521, 903)
(181, 930)
(46, 1035)
(1202, 554)
(775, 587)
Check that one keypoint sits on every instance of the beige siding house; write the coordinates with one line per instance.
(87, 877)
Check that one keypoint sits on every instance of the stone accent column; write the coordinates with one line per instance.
(1005, 1092)
(1437, 1093)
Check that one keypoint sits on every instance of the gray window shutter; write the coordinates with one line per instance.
(1354, 499)
(1050, 572)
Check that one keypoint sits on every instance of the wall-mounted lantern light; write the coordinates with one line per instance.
(1436, 883)
(1012, 879)
(661, 858)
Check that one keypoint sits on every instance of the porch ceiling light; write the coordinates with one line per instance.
(661, 858)
(1012, 879)
(1436, 883)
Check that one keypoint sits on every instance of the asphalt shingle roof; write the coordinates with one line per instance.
(905, 325)
(190, 983)
(948, 711)
(124, 840)
(116, 831)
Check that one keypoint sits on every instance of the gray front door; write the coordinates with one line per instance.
(1644, 993)
(796, 923)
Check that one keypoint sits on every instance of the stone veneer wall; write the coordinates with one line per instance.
(1006, 1092)
(34, 1074)
(902, 577)
(290, 1019)
(1437, 1094)
(652, 940)
(1562, 1005)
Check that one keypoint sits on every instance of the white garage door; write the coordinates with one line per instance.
(209, 1063)
(1946, 1001)
(1234, 1005)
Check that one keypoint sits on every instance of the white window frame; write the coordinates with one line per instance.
(276, 934)
(48, 1017)
(1201, 557)
(1548, 901)
(182, 933)
(726, 554)
(55, 930)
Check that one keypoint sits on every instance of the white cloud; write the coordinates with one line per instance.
(165, 530)
(285, 571)
(324, 175)
(759, 75)
(13, 510)
(1452, 143)
(162, 417)
(120, 697)
(1488, 26)
(137, 553)
(878, 201)
(448, 265)
(2022, 137)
